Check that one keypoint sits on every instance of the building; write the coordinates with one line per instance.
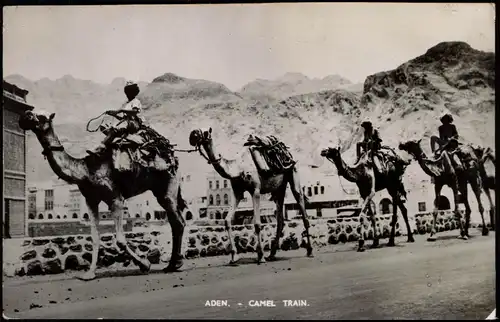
(60, 201)
(14, 210)
(325, 193)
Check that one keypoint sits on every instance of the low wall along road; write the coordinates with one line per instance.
(53, 255)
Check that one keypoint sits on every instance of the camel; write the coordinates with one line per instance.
(369, 181)
(248, 179)
(488, 179)
(444, 173)
(98, 181)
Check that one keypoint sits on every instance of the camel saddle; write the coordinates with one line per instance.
(269, 154)
(145, 148)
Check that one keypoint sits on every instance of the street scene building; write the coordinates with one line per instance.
(14, 162)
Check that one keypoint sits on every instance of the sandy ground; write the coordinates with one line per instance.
(448, 279)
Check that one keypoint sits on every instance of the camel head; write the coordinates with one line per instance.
(412, 147)
(200, 137)
(331, 153)
(37, 122)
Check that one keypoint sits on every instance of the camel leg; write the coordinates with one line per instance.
(257, 225)
(372, 212)
(462, 187)
(229, 219)
(168, 200)
(394, 219)
(299, 197)
(492, 208)
(404, 212)
(94, 232)
(116, 208)
(437, 193)
(362, 218)
(279, 225)
(477, 187)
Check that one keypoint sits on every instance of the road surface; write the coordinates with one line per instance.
(448, 279)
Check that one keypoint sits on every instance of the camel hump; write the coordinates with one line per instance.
(270, 155)
(145, 148)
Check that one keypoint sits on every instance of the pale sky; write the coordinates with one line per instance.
(233, 44)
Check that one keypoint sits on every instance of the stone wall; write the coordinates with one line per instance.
(63, 228)
(52, 255)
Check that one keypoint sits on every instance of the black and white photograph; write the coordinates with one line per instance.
(271, 161)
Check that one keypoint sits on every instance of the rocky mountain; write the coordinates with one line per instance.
(293, 84)
(307, 114)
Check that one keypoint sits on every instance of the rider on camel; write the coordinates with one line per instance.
(447, 131)
(371, 144)
(129, 115)
(447, 141)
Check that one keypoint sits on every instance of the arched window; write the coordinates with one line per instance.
(217, 200)
(385, 206)
(189, 215)
(65, 217)
(322, 190)
(75, 216)
(49, 216)
(137, 216)
(58, 217)
(217, 186)
(211, 200)
(315, 190)
(40, 216)
(226, 199)
(309, 192)
(148, 216)
(31, 216)
(86, 216)
(443, 204)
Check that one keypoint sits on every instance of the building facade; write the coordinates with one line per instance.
(14, 209)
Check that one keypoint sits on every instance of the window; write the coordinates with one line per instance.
(210, 185)
(309, 191)
(217, 186)
(189, 215)
(58, 217)
(49, 216)
(211, 202)
(86, 216)
(31, 216)
(217, 200)
(226, 199)
(40, 216)
(225, 183)
(137, 216)
(65, 217)
(148, 216)
(49, 199)
(147, 202)
(203, 199)
(421, 207)
(385, 206)
(75, 216)
(49, 193)
(218, 215)
(315, 190)
(322, 190)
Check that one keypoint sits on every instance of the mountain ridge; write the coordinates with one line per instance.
(404, 103)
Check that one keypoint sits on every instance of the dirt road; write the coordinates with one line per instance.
(448, 279)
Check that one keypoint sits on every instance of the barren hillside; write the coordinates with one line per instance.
(308, 115)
